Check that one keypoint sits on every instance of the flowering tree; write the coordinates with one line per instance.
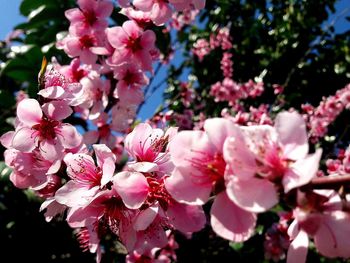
(243, 159)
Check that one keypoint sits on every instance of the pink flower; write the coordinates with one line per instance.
(324, 221)
(91, 15)
(95, 95)
(130, 80)
(143, 19)
(160, 11)
(44, 130)
(30, 170)
(106, 209)
(262, 157)
(87, 178)
(200, 169)
(149, 149)
(131, 45)
(103, 134)
(58, 87)
(122, 116)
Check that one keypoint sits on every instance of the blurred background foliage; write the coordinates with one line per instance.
(288, 42)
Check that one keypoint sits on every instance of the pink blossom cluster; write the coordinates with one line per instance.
(186, 17)
(323, 115)
(243, 166)
(226, 90)
(254, 116)
(231, 91)
(340, 165)
(143, 184)
(161, 11)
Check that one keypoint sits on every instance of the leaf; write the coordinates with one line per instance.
(28, 6)
(5, 171)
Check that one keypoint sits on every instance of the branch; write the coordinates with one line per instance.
(329, 182)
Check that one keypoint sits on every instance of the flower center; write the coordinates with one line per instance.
(212, 166)
(88, 175)
(134, 43)
(129, 77)
(87, 41)
(157, 192)
(46, 129)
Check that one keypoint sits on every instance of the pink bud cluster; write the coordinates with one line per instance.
(226, 90)
(322, 116)
(340, 165)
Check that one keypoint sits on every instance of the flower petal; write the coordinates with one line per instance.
(184, 190)
(23, 140)
(230, 221)
(254, 195)
(132, 187)
(302, 171)
(29, 112)
(57, 110)
(298, 248)
(69, 136)
(291, 131)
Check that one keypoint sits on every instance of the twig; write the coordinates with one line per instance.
(329, 182)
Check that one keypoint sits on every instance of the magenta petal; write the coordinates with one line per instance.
(291, 131)
(52, 208)
(104, 9)
(75, 161)
(148, 38)
(69, 136)
(29, 112)
(254, 195)
(218, 129)
(143, 167)
(239, 158)
(144, 5)
(132, 187)
(53, 92)
(24, 140)
(161, 13)
(230, 221)
(302, 171)
(6, 139)
(184, 190)
(57, 110)
(107, 171)
(54, 168)
(83, 216)
(52, 150)
(186, 218)
(131, 28)
(298, 248)
(72, 194)
(332, 238)
(189, 145)
(102, 153)
(145, 218)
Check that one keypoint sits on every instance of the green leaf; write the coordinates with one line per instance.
(236, 246)
(5, 171)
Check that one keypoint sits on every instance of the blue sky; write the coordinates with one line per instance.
(13, 17)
